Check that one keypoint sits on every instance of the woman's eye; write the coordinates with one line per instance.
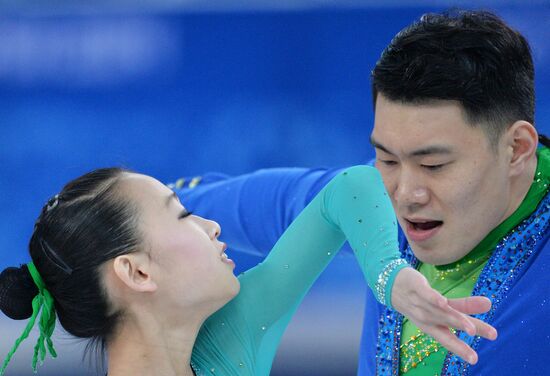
(388, 162)
(184, 214)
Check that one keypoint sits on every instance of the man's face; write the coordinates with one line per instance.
(449, 188)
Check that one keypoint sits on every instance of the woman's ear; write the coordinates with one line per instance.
(521, 141)
(133, 270)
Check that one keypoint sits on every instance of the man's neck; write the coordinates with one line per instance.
(520, 187)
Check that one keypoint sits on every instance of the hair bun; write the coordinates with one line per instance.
(17, 290)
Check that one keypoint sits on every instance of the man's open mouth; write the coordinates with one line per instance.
(424, 225)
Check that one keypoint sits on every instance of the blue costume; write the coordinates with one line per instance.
(255, 209)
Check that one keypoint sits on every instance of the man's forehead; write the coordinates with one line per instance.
(416, 117)
(422, 129)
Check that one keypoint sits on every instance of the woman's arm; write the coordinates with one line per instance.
(353, 206)
(245, 333)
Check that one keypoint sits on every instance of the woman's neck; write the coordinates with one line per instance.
(149, 347)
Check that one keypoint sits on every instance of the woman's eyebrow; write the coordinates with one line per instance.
(173, 196)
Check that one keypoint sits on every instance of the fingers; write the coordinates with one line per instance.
(471, 305)
(472, 326)
(484, 330)
(453, 312)
(435, 298)
(454, 319)
(434, 314)
(475, 305)
(440, 312)
(452, 343)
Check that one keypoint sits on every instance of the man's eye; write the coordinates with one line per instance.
(433, 167)
(388, 162)
(184, 214)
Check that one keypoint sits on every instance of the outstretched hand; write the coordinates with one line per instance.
(434, 314)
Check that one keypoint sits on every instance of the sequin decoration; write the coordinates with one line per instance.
(179, 183)
(195, 181)
(416, 349)
(504, 267)
(383, 278)
(196, 369)
(500, 273)
(465, 269)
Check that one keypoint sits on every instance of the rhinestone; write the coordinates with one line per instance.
(179, 183)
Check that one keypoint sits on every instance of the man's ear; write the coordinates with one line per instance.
(522, 140)
(134, 271)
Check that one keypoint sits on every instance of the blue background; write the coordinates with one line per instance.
(179, 91)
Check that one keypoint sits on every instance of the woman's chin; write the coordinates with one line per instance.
(235, 288)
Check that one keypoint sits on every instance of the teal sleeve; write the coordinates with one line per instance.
(247, 331)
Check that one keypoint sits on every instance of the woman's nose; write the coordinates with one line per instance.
(214, 229)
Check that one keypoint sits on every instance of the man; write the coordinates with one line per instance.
(457, 150)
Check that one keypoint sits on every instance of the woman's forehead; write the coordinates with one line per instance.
(144, 187)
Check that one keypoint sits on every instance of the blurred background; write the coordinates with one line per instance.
(179, 87)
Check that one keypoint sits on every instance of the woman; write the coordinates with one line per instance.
(128, 267)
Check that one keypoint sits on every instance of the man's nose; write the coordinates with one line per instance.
(410, 190)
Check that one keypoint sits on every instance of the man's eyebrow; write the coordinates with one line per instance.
(375, 144)
(173, 196)
(428, 150)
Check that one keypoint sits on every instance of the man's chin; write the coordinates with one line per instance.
(432, 256)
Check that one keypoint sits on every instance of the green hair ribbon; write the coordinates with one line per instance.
(42, 301)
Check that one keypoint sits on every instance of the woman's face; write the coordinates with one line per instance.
(188, 262)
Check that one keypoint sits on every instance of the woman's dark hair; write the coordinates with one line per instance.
(472, 57)
(80, 229)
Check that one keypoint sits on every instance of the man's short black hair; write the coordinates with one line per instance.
(472, 57)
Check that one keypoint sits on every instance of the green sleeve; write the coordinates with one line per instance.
(353, 206)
